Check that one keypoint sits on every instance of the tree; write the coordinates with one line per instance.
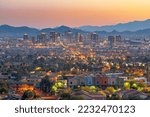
(3, 90)
(116, 96)
(46, 85)
(134, 86)
(85, 88)
(65, 96)
(54, 88)
(3, 87)
(92, 89)
(29, 95)
(102, 93)
(110, 89)
(142, 84)
(77, 98)
(59, 84)
(126, 85)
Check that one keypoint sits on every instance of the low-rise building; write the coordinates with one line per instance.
(120, 82)
(103, 81)
(73, 82)
(112, 80)
(89, 80)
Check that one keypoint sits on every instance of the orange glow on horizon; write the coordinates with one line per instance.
(49, 13)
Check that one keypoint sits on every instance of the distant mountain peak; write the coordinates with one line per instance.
(4, 25)
(130, 26)
(63, 27)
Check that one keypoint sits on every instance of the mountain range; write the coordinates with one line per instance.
(135, 28)
(11, 31)
(130, 26)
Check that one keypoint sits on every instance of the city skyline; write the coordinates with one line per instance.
(72, 13)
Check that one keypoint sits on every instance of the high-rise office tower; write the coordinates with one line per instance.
(118, 38)
(79, 37)
(94, 37)
(25, 36)
(111, 40)
(54, 36)
(43, 36)
(69, 35)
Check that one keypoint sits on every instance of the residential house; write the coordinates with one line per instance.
(112, 80)
(97, 81)
(73, 82)
(103, 82)
(120, 82)
(89, 80)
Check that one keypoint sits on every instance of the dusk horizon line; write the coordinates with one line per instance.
(73, 26)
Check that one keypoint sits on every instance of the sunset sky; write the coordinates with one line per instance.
(51, 13)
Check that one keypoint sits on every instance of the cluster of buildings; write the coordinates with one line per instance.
(82, 59)
(99, 80)
(56, 36)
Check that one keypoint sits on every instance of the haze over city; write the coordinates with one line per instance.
(51, 13)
